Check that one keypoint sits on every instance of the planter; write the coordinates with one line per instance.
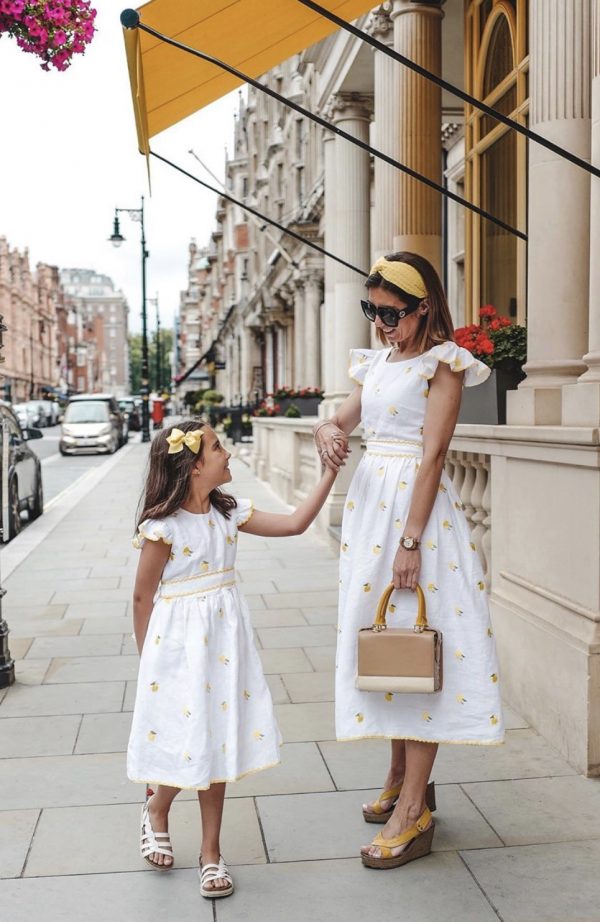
(486, 403)
(308, 406)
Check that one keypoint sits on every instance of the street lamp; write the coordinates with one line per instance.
(116, 238)
(158, 355)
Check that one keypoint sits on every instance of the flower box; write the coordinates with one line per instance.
(486, 403)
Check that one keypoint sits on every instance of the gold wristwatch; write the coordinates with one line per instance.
(409, 544)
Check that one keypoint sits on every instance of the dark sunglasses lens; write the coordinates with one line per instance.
(369, 310)
(389, 316)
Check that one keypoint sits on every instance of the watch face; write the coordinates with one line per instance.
(408, 543)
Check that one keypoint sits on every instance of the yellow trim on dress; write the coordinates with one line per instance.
(201, 591)
(248, 517)
(419, 739)
(170, 784)
(183, 579)
(142, 534)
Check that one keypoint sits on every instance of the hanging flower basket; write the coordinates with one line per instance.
(54, 30)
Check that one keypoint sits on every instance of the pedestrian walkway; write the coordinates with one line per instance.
(518, 831)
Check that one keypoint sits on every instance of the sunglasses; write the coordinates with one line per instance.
(390, 316)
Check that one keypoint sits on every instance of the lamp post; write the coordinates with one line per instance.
(116, 238)
(158, 357)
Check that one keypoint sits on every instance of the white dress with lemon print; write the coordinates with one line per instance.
(203, 711)
(468, 708)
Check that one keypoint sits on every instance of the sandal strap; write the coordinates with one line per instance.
(153, 842)
(386, 845)
(210, 872)
(394, 792)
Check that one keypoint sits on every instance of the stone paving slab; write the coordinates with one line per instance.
(76, 698)
(283, 617)
(16, 831)
(38, 736)
(92, 668)
(279, 660)
(310, 686)
(42, 628)
(287, 637)
(32, 671)
(322, 659)
(111, 624)
(541, 883)
(74, 646)
(103, 733)
(104, 839)
(305, 722)
(301, 769)
(323, 615)
(96, 609)
(142, 896)
(437, 888)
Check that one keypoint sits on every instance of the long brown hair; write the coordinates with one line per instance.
(436, 325)
(168, 478)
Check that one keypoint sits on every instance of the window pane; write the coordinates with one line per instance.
(504, 105)
(499, 247)
(499, 61)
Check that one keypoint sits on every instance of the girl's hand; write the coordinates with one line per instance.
(406, 569)
(332, 445)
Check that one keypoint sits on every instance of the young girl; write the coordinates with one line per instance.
(203, 712)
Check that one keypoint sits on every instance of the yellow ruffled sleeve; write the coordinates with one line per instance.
(458, 359)
(360, 362)
(243, 512)
(153, 530)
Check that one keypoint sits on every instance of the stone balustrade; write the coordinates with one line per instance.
(470, 476)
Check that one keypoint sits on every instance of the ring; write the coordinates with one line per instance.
(324, 452)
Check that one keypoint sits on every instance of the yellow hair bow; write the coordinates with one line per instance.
(401, 275)
(178, 439)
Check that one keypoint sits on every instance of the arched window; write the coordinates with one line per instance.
(496, 174)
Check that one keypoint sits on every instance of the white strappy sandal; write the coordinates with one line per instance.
(210, 872)
(154, 842)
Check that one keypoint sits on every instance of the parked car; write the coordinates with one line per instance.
(128, 407)
(25, 414)
(25, 489)
(92, 423)
(39, 412)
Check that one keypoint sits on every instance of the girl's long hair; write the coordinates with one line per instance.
(168, 478)
(436, 325)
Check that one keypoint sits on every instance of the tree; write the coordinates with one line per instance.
(135, 361)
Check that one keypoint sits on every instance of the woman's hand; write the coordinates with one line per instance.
(332, 445)
(406, 569)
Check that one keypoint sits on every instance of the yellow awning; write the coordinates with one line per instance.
(253, 36)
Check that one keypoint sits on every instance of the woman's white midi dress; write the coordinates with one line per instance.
(203, 710)
(467, 709)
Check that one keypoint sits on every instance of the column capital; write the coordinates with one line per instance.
(356, 106)
(428, 7)
(380, 24)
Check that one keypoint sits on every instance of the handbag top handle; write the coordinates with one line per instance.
(420, 624)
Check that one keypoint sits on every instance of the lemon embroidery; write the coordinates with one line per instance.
(371, 430)
(151, 736)
(490, 632)
(494, 677)
(398, 523)
(426, 716)
(380, 471)
(350, 505)
(382, 506)
(402, 485)
(442, 488)
(366, 587)
(453, 566)
(186, 712)
(230, 540)
(211, 523)
(204, 566)
(472, 545)
(224, 748)
(224, 659)
(224, 705)
(157, 639)
(426, 392)
(208, 687)
(258, 735)
(220, 613)
(459, 655)
(247, 695)
(154, 686)
(446, 524)
(392, 411)
(461, 699)
(493, 720)
(431, 587)
(362, 359)
(458, 611)
(481, 585)
(377, 549)
(431, 545)
(344, 547)
(187, 757)
(171, 556)
(458, 505)
(388, 696)
(187, 551)
(359, 717)
(391, 608)
(408, 370)
(205, 641)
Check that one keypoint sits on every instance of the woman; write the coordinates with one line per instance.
(404, 522)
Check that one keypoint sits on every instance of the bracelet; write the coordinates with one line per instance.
(325, 422)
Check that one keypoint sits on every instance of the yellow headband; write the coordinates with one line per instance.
(401, 275)
(178, 439)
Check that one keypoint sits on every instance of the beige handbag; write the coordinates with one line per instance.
(399, 659)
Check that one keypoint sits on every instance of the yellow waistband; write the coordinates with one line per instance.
(197, 584)
(399, 448)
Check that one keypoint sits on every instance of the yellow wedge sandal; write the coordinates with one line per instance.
(418, 840)
(378, 815)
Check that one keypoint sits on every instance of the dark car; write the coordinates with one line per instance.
(25, 491)
(128, 408)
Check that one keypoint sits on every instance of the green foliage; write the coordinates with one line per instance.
(213, 397)
(292, 412)
(509, 343)
(135, 361)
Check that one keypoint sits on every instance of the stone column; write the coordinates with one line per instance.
(269, 380)
(418, 127)
(581, 403)
(328, 340)
(386, 115)
(312, 329)
(299, 335)
(559, 208)
(351, 241)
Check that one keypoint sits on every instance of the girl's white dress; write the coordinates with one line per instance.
(203, 711)
(468, 708)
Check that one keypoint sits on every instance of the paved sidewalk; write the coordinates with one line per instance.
(518, 831)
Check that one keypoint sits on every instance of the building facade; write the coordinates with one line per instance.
(274, 312)
(95, 353)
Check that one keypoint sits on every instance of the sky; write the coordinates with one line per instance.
(68, 156)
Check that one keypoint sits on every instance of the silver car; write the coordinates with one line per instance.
(89, 426)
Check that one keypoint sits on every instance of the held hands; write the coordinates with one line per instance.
(332, 445)
(406, 569)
